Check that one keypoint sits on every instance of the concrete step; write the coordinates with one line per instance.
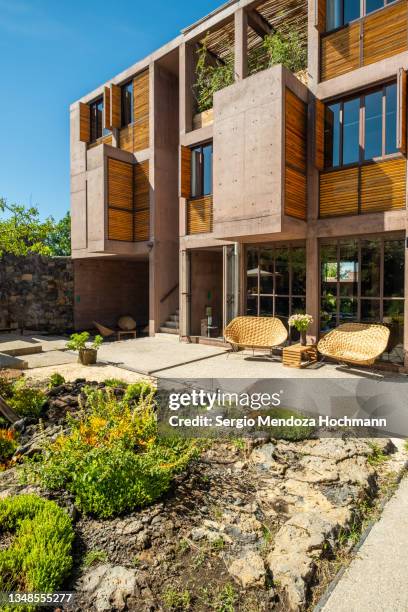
(170, 323)
(174, 317)
(17, 348)
(169, 330)
(14, 363)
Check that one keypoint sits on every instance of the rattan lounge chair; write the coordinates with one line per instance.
(355, 343)
(255, 333)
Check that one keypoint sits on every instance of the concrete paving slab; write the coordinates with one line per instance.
(244, 365)
(17, 348)
(11, 342)
(13, 363)
(152, 355)
(377, 579)
(50, 358)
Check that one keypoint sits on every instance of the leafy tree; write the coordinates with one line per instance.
(59, 240)
(22, 232)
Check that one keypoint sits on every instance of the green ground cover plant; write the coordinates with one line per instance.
(39, 555)
(8, 445)
(56, 380)
(112, 459)
(25, 400)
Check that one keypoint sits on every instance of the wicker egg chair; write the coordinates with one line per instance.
(355, 343)
(255, 332)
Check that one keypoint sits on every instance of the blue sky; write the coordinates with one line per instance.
(51, 53)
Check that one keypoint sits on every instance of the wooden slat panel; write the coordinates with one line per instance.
(295, 131)
(107, 108)
(385, 33)
(84, 122)
(142, 225)
(339, 192)
(340, 51)
(383, 186)
(120, 225)
(116, 108)
(295, 193)
(402, 111)
(200, 215)
(120, 184)
(320, 15)
(141, 186)
(126, 138)
(319, 134)
(141, 111)
(185, 172)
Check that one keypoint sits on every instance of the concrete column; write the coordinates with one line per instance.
(241, 44)
(186, 80)
(313, 47)
(312, 286)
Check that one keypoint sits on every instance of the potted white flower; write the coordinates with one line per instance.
(301, 322)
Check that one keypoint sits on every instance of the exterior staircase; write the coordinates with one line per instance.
(171, 326)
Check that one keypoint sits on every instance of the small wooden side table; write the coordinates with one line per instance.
(299, 356)
(126, 332)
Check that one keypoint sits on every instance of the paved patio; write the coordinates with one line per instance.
(165, 356)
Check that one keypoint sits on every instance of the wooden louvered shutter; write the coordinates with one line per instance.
(185, 172)
(320, 15)
(106, 108)
(402, 111)
(319, 134)
(115, 106)
(84, 122)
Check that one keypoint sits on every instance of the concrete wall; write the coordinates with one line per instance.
(206, 277)
(106, 289)
(248, 159)
(36, 293)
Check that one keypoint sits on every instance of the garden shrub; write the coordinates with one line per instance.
(8, 444)
(6, 387)
(39, 557)
(138, 391)
(56, 380)
(27, 401)
(112, 459)
(115, 382)
(284, 47)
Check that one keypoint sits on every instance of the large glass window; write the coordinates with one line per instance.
(363, 280)
(276, 282)
(361, 128)
(127, 103)
(201, 170)
(341, 12)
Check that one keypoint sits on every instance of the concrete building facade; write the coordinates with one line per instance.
(287, 194)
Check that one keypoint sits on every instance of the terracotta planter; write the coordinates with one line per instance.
(87, 356)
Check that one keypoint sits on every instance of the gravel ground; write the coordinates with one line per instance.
(71, 371)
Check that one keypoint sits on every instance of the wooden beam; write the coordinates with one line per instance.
(7, 412)
(259, 24)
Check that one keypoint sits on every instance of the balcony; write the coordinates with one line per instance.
(259, 164)
(111, 215)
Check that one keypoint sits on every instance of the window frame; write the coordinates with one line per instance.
(275, 295)
(363, 14)
(381, 297)
(122, 89)
(362, 128)
(93, 117)
(201, 148)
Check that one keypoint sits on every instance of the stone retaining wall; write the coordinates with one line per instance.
(37, 293)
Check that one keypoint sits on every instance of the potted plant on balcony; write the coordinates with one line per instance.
(86, 354)
(301, 322)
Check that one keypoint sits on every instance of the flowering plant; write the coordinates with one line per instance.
(300, 321)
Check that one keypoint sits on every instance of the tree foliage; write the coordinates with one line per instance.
(23, 232)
